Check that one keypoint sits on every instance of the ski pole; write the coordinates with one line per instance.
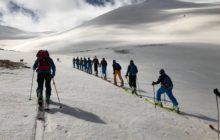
(218, 113)
(57, 93)
(31, 85)
(154, 95)
(127, 80)
(217, 94)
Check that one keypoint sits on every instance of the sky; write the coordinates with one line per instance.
(57, 15)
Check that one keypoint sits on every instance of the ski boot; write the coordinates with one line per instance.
(134, 91)
(39, 98)
(40, 101)
(47, 103)
(176, 108)
(122, 84)
(159, 104)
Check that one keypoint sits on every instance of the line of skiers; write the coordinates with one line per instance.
(86, 65)
(46, 69)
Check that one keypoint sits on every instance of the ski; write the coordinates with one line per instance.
(213, 128)
(168, 109)
(131, 92)
(41, 113)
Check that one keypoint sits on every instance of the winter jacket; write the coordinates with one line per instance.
(52, 67)
(132, 70)
(165, 81)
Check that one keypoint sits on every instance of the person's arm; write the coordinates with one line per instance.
(35, 65)
(53, 68)
(158, 81)
(128, 69)
(136, 69)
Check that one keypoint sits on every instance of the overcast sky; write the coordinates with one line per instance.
(55, 15)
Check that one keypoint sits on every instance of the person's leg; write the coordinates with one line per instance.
(130, 81)
(171, 97)
(40, 81)
(48, 87)
(96, 70)
(134, 82)
(160, 91)
(104, 72)
(122, 81)
(115, 77)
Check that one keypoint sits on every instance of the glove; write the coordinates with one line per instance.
(216, 92)
(153, 83)
(52, 76)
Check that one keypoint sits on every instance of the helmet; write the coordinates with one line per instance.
(162, 71)
(131, 61)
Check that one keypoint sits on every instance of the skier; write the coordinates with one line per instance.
(81, 64)
(132, 73)
(89, 66)
(166, 87)
(77, 62)
(96, 64)
(74, 62)
(117, 71)
(44, 65)
(85, 64)
(104, 68)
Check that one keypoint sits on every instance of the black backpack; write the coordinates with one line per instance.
(117, 66)
(168, 82)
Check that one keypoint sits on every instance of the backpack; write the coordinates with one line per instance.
(133, 70)
(43, 60)
(117, 66)
(168, 82)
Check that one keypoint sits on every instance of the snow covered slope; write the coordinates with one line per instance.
(181, 37)
(92, 109)
(13, 33)
(151, 22)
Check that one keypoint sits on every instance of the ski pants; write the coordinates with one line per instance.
(118, 73)
(90, 68)
(96, 69)
(85, 67)
(169, 93)
(132, 81)
(104, 71)
(41, 77)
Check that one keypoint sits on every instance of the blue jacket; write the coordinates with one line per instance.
(52, 67)
(132, 70)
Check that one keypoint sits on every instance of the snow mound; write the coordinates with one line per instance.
(12, 65)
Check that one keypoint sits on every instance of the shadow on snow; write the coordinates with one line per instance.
(76, 112)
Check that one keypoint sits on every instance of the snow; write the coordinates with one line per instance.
(92, 109)
(155, 35)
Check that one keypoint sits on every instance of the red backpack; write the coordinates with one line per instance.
(43, 60)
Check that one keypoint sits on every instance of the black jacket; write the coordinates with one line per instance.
(165, 81)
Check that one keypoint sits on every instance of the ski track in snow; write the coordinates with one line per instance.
(92, 109)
